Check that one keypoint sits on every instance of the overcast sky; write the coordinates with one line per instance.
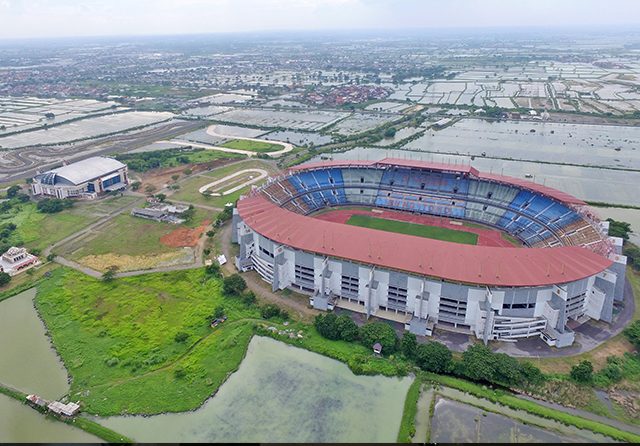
(61, 18)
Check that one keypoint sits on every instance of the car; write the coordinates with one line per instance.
(218, 321)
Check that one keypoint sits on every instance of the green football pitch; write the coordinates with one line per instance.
(402, 227)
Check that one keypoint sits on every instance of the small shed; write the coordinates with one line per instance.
(377, 348)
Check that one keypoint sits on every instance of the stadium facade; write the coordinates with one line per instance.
(83, 179)
(566, 271)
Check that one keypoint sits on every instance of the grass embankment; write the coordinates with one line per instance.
(407, 424)
(80, 422)
(402, 227)
(118, 339)
(507, 399)
(253, 146)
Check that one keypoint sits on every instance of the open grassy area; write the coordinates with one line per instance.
(407, 425)
(403, 227)
(188, 191)
(37, 230)
(253, 146)
(130, 243)
(162, 159)
(24, 281)
(117, 339)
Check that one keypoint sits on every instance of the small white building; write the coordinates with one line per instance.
(84, 179)
(68, 409)
(16, 260)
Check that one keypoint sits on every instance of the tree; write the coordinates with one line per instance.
(248, 298)
(213, 270)
(13, 191)
(210, 233)
(161, 197)
(136, 185)
(189, 213)
(4, 278)
(478, 363)
(175, 177)
(433, 357)
(270, 310)
(347, 329)
(379, 332)
(582, 372)
(531, 375)
(53, 205)
(218, 312)
(507, 370)
(619, 228)
(233, 285)
(390, 132)
(632, 332)
(327, 326)
(110, 273)
(409, 345)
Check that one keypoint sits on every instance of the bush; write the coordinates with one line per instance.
(181, 336)
(327, 326)
(218, 312)
(248, 298)
(13, 191)
(53, 205)
(4, 278)
(270, 311)
(112, 362)
(135, 185)
(347, 329)
(213, 270)
(233, 285)
(632, 332)
(179, 372)
(409, 345)
(582, 372)
(379, 332)
(433, 357)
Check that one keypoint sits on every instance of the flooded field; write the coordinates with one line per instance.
(298, 138)
(85, 128)
(28, 362)
(359, 123)
(591, 184)
(309, 120)
(461, 418)
(282, 393)
(593, 145)
(21, 424)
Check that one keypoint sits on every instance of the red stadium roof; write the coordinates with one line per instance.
(553, 193)
(455, 262)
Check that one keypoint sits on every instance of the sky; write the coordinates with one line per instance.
(65, 18)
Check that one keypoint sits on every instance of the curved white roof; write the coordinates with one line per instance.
(86, 170)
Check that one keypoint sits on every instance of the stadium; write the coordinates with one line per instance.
(433, 245)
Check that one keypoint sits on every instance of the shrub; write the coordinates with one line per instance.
(218, 312)
(13, 191)
(179, 372)
(4, 278)
(212, 270)
(632, 332)
(409, 345)
(327, 326)
(181, 336)
(582, 372)
(269, 311)
(135, 185)
(248, 298)
(112, 362)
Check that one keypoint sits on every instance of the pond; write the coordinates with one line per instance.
(283, 393)
(21, 424)
(28, 362)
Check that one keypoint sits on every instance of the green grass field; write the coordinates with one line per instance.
(117, 339)
(188, 191)
(254, 146)
(38, 230)
(402, 227)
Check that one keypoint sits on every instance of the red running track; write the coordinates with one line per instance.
(486, 237)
